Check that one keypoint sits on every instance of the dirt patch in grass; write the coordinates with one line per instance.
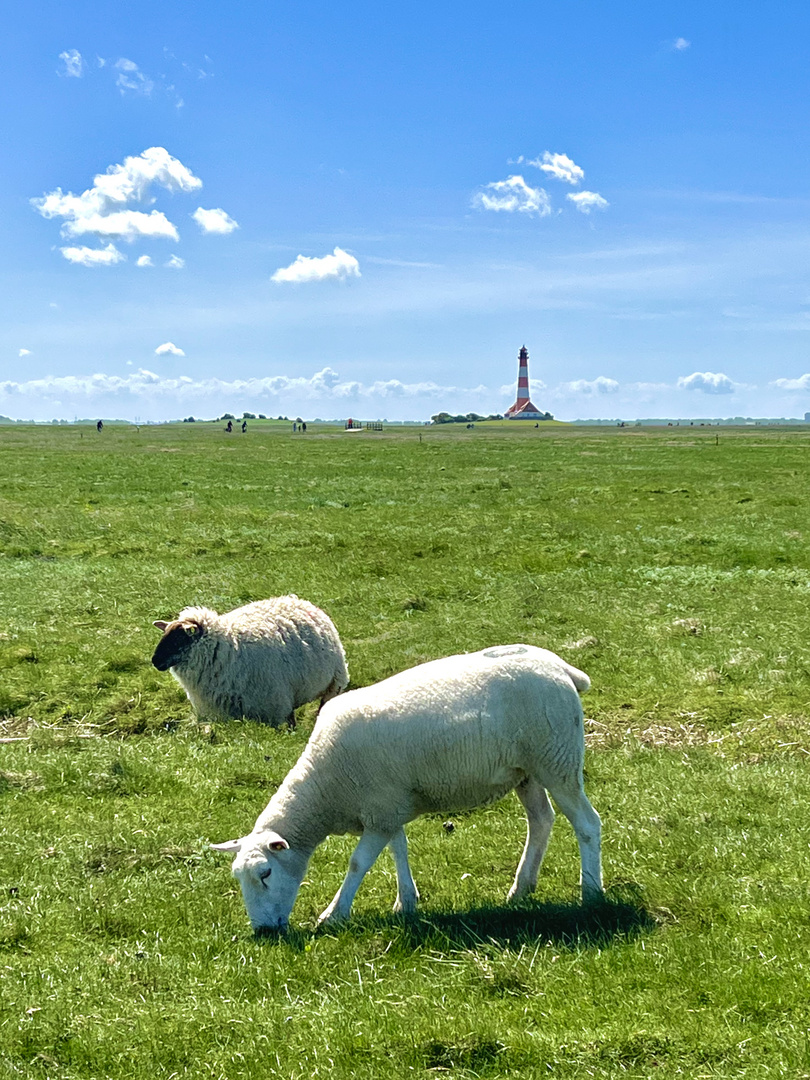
(20, 781)
(13, 728)
(109, 857)
(587, 642)
(745, 740)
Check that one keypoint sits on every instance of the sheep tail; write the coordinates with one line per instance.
(578, 678)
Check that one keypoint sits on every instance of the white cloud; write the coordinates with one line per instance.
(174, 262)
(214, 221)
(337, 265)
(24, 352)
(85, 256)
(122, 184)
(130, 77)
(560, 166)
(168, 349)
(150, 395)
(74, 64)
(144, 260)
(101, 209)
(125, 225)
(680, 44)
(513, 194)
(599, 385)
(802, 383)
(176, 392)
(708, 382)
(585, 201)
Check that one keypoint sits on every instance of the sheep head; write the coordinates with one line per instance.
(269, 873)
(179, 637)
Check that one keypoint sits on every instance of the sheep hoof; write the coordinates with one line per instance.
(331, 917)
(405, 907)
(517, 892)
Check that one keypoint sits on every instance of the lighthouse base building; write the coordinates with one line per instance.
(523, 408)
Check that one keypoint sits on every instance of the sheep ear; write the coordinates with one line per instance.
(161, 624)
(228, 846)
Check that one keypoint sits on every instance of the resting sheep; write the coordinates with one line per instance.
(448, 735)
(261, 661)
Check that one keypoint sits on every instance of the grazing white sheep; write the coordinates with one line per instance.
(448, 735)
(261, 661)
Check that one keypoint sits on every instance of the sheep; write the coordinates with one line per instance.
(260, 661)
(448, 735)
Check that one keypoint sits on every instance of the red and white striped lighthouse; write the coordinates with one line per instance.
(523, 409)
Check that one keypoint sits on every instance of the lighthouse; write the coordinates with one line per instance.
(523, 409)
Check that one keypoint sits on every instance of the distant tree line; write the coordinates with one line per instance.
(230, 416)
(469, 418)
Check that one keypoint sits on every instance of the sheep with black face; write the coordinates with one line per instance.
(260, 661)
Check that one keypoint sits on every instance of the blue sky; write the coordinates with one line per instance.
(361, 209)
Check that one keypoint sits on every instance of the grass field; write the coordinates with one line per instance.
(672, 565)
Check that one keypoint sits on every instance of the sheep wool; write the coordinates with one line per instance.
(448, 735)
(260, 661)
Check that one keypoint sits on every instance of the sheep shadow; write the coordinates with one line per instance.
(619, 915)
(563, 924)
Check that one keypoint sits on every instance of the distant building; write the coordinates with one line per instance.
(523, 409)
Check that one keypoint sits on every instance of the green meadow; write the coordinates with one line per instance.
(671, 564)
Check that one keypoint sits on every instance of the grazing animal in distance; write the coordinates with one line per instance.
(448, 735)
(260, 661)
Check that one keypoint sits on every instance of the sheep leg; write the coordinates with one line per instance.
(363, 858)
(588, 828)
(407, 892)
(540, 818)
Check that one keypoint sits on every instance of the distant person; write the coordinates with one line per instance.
(244, 426)
(303, 427)
(295, 427)
(230, 426)
(99, 426)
